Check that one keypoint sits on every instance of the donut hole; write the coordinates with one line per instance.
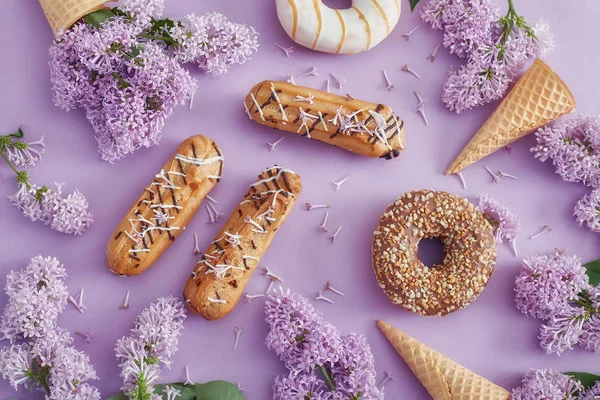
(339, 4)
(431, 252)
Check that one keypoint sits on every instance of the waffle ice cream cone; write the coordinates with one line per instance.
(443, 378)
(61, 14)
(539, 97)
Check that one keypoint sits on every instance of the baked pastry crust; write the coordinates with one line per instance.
(469, 244)
(218, 280)
(165, 206)
(369, 129)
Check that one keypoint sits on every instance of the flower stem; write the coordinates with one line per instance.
(327, 378)
(584, 303)
(8, 162)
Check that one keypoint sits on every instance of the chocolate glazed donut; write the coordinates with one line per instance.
(469, 245)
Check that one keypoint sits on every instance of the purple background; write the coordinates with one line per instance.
(491, 337)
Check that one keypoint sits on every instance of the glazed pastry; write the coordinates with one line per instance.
(469, 245)
(220, 277)
(443, 378)
(352, 30)
(364, 128)
(165, 206)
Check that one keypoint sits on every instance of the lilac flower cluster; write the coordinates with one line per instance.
(322, 363)
(40, 355)
(19, 152)
(496, 48)
(573, 145)
(153, 340)
(212, 42)
(592, 393)
(66, 214)
(587, 211)
(556, 289)
(547, 384)
(506, 225)
(127, 73)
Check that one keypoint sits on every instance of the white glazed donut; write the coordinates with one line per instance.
(353, 30)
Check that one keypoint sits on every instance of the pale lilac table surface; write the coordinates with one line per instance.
(490, 337)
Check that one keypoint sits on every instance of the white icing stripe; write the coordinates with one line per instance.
(322, 120)
(262, 116)
(139, 251)
(219, 301)
(198, 161)
(274, 177)
(162, 185)
(176, 173)
(276, 97)
(251, 258)
(247, 111)
(166, 206)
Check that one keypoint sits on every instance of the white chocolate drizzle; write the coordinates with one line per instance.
(262, 115)
(198, 161)
(276, 98)
(218, 301)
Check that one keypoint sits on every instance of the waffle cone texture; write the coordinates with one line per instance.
(539, 97)
(61, 14)
(443, 378)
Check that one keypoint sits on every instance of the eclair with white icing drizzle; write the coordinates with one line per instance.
(219, 279)
(165, 206)
(369, 129)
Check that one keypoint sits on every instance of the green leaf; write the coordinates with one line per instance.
(593, 271)
(413, 4)
(97, 18)
(18, 134)
(587, 380)
(218, 390)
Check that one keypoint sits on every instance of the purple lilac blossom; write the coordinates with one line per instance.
(506, 225)
(36, 296)
(562, 331)
(354, 374)
(45, 359)
(141, 12)
(467, 24)
(126, 89)
(592, 393)
(25, 154)
(68, 214)
(151, 343)
(573, 145)
(587, 211)
(300, 386)
(546, 284)
(308, 346)
(213, 42)
(298, 334)
(474, 30)
(547, 384)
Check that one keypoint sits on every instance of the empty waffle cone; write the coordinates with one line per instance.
(539, 97)
(443, 378)
(61, 14)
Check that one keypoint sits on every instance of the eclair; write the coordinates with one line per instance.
(165, 206)
(369, 129)
(218, 280)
